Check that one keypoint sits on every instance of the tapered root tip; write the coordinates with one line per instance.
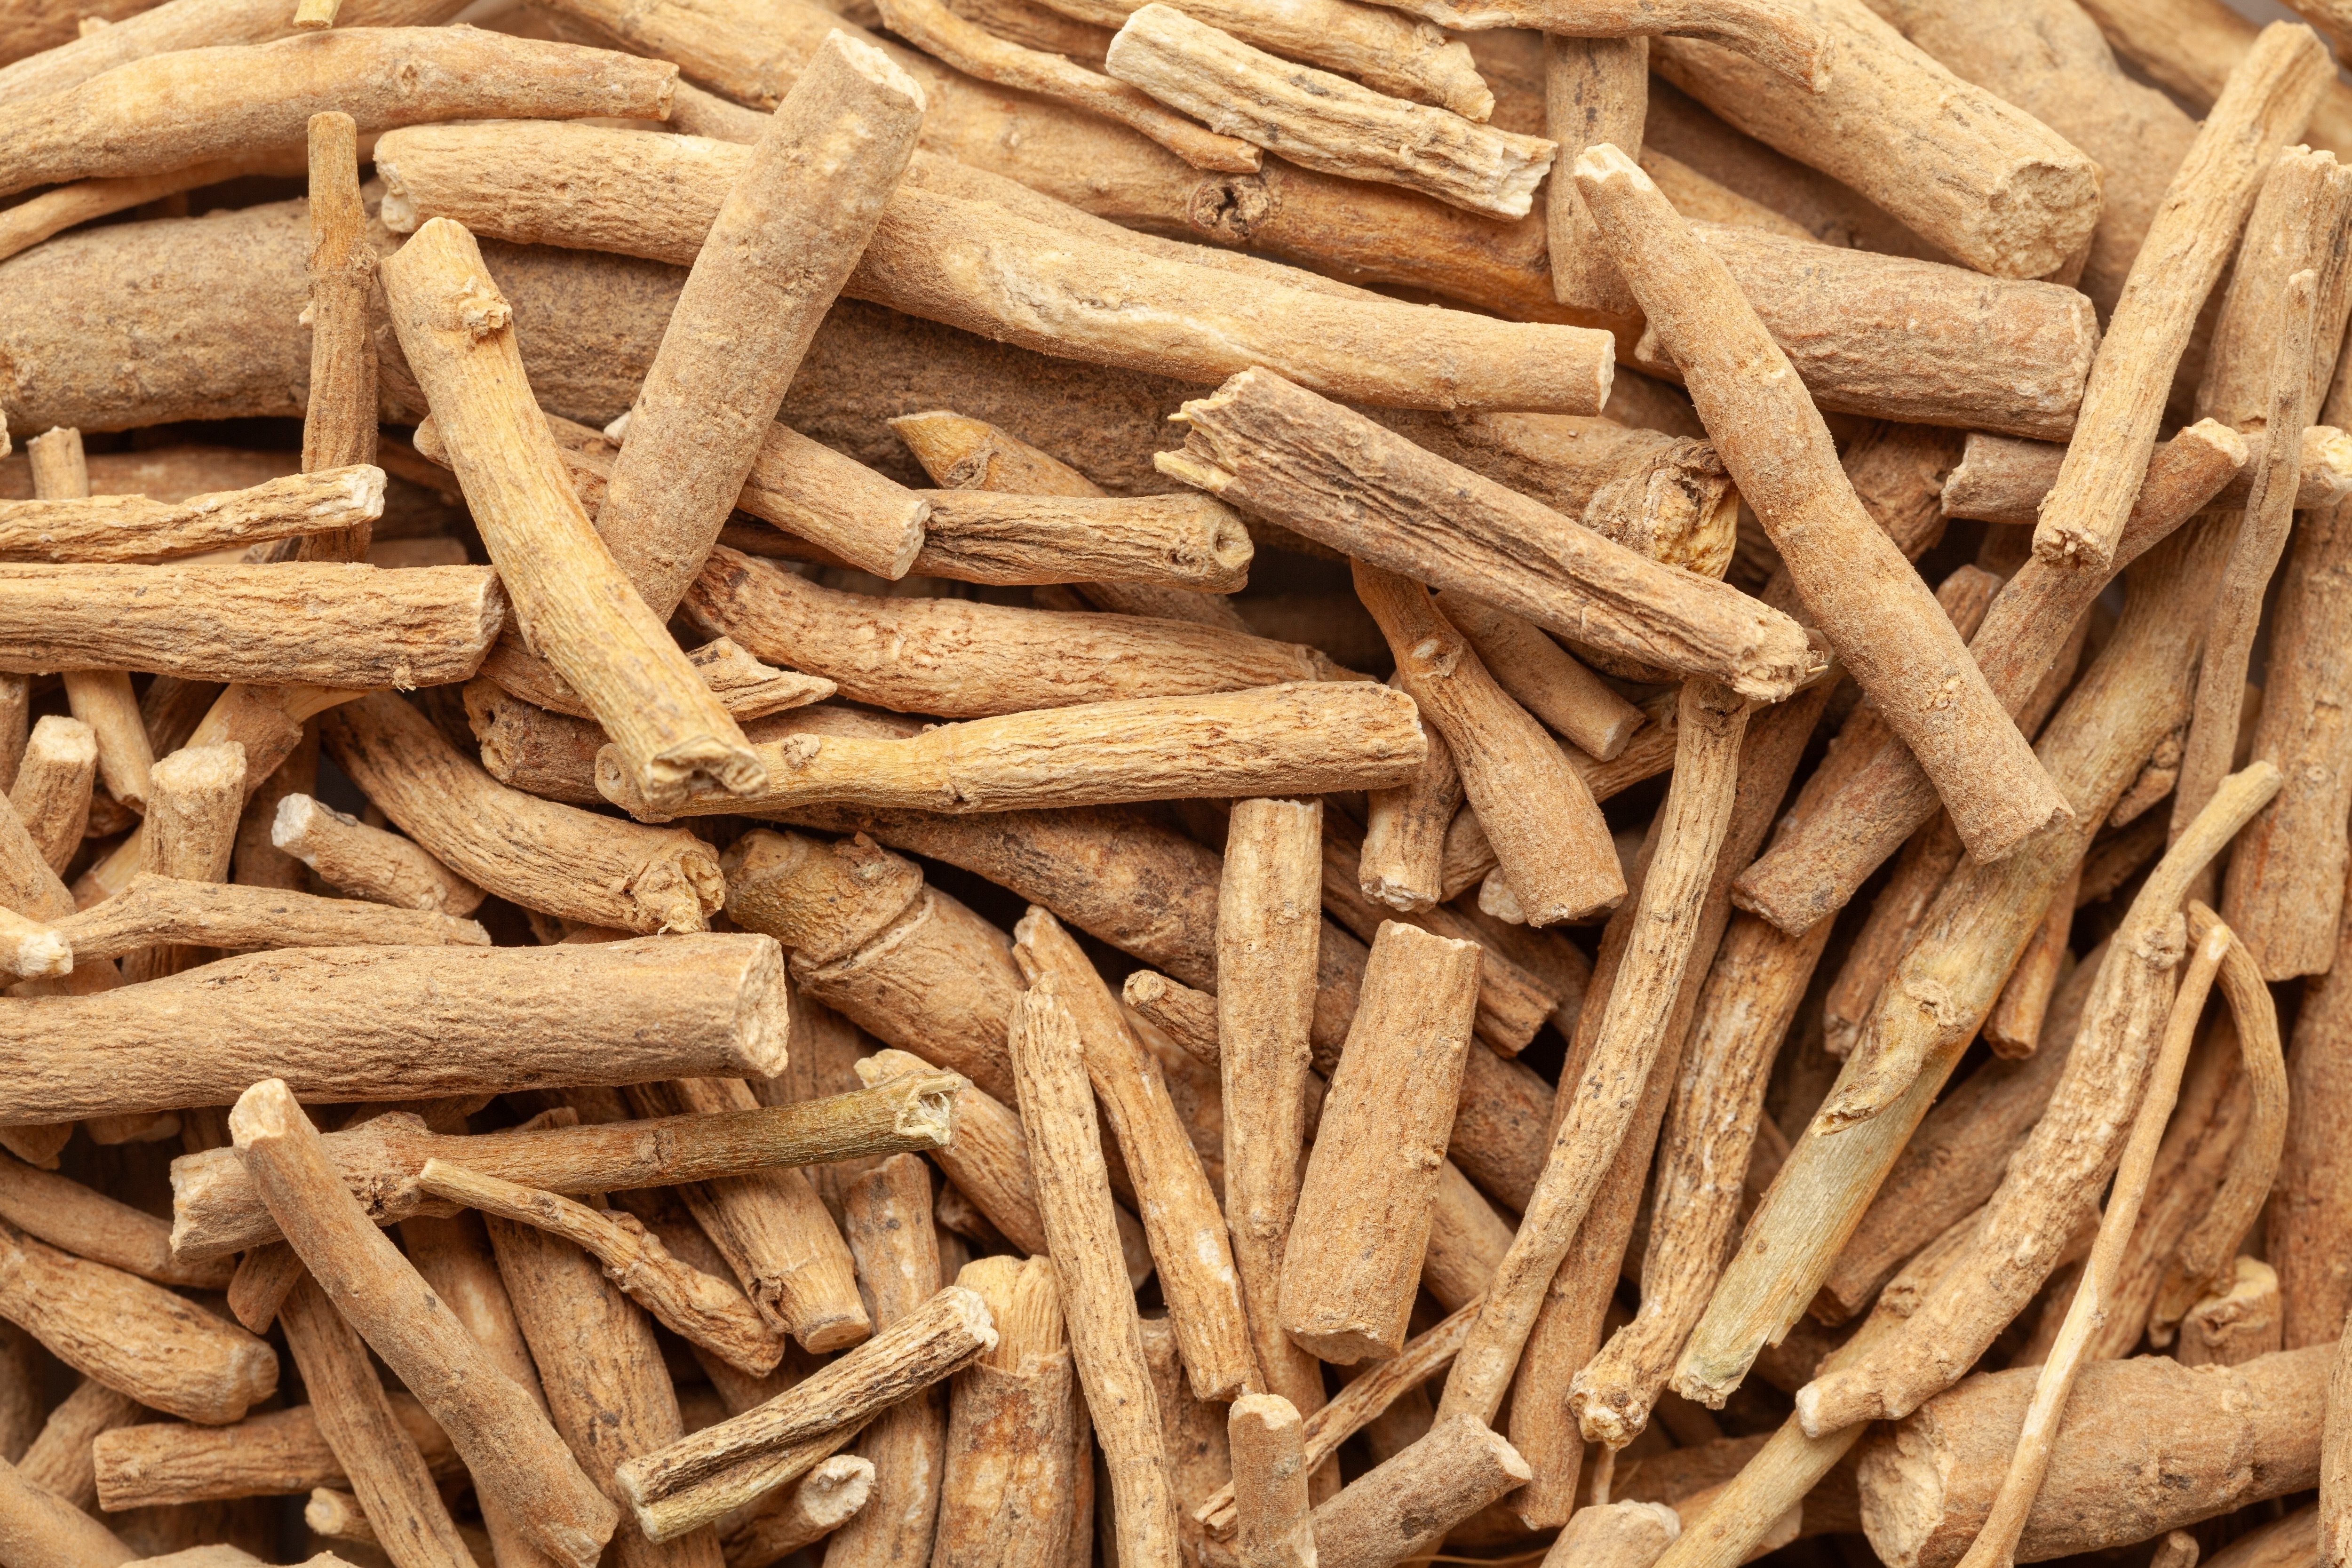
(267, 1110)
(1506, 1459)
(1605, 160)
(951, 447)
(1186, 468)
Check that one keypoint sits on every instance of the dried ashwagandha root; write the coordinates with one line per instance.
(1549, 835)
(1781, 38)
(93, 1226)
(1968, 941)
(746, 688)
(813, 188)
(1270, 1500)
(958, 658)
(1131, 881)
(2004, 478)
(973, 50)
(2001, 192)
(99, 696)
(982, 267)
(2008, 355)
(1258, 1028)
(700, 1477)
(186, 106)
(1467, 1236)
(974, 456)
(1406, 1506)
(1881, 798)
(456, 1259)
(1190, 1244)
(274, 1452)
(703, 1311)
(266, 721)
(806, 489)
(1326, 121)
(132, 1335)
(1402, 862)
(354, 1412)
(869, 937)
(353, 626)
(341, 1518)
(360, 1023)
(1146, 549)
(2071, 1150)
(2051, 61)
(887, 1219)
(1354, 1255)
(1375, 232)
(1572, 701)
(367, 862)
(156, 31)
(1659, 494)
(217, 1210)
(2270, 97)
(60, 1459)
(1873, 607)
(503, 1435)
(156, 909)
(1181, 542)
(1600, 1107)
(1374, 45)
(1106, 1339)
(1954, 1159)
(54, 775)
(1996, 1544)
(2232, 1436)
(1276, 740)
(30, 951)
(1571, 1321)
(127, 527)
(1350, 1411)
(813, 1507)
(769, 1227)
(536, 853)
(44, 1527)
(572, 599)
(1595, 90)
(1278, 450)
